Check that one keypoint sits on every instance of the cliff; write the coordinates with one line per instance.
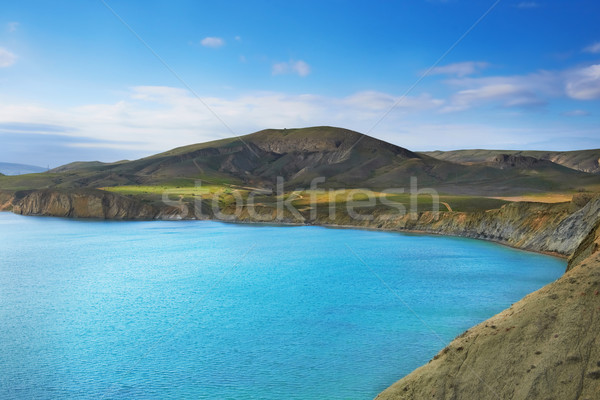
(546, 346)
(550, 228)
(84, 203)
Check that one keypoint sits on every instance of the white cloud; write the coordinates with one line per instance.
(238, 38)
(6, 58)
(213, 42)
(156, 118)
(524, 90)
(583, 83)
(507, 91)
(378, 102)
(301, 68)
(508, 95)
(576, 113)
(528, 4)
(593, 48)
(280, 68)
(12, 26)
(291, 67)
(460, 69)
(150, 119)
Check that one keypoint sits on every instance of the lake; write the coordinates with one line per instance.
(209, 310)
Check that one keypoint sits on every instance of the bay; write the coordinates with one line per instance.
(207, 310)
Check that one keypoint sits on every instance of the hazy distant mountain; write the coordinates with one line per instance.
(19, 169)
(345, 158)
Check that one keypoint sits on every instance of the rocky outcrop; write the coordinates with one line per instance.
(6, 200)
(88, 203)
(590, 245)
(546, 346)
(503, 161)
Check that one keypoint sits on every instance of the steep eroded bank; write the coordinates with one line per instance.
(546, 346)
(552, 228)
(83, 203)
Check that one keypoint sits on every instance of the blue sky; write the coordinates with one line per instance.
(77, 84)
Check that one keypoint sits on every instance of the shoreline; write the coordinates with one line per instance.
(468, 333)
(329, 226)
(422, 232)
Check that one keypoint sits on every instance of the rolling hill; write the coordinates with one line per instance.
(347, 159)
(581, 160)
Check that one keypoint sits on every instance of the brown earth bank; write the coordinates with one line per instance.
(551, 228)
(546, 346)
(543, 347)
(83, 203)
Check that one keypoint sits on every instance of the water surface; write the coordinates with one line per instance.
(206, 310)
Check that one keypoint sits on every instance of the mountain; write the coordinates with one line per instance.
(19, 169)
(347, 159)
(580, 160)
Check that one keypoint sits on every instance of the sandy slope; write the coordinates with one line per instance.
(546, 346)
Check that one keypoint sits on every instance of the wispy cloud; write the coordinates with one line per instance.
(506, 91)
(377, 102)
(12, 26)
(528, 4)
(32, 128)
(150, 119)
(593, 48)
(299, 67)
(460, 69)
(213, 42)
(154, 118)
(576, 113)
(508, 95)
(583, 83)
(6, 58)
(524, 90)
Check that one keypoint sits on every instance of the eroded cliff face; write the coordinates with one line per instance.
(6, 201)
(87, 204)
(551, 228)
(546, 346)
(588, 246)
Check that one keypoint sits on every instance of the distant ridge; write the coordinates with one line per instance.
(82, 165)
(580, 160)
(19, 169)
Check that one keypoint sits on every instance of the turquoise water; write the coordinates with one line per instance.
(207, 310)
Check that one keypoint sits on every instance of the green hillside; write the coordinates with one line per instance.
(580, 160)
(347, 159)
